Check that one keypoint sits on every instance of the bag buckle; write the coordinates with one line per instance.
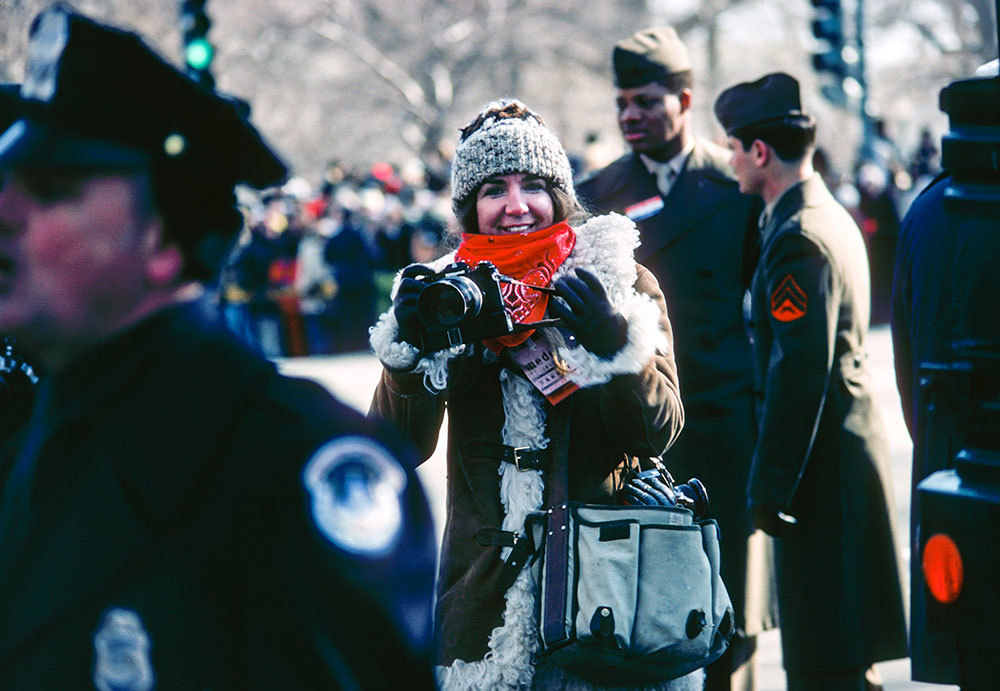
(518, 458)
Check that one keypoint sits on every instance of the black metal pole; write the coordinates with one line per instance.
(867, 127)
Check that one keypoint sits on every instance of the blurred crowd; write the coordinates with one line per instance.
(314, 265)
(879, 190)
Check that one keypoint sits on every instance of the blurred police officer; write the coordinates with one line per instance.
(179, 515)
(699, 238)
(821, 454)
(17, 377)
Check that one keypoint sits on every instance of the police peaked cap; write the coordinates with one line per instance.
(96, 97)
(648, 56)
(773, 97)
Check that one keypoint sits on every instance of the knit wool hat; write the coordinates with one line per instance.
(505, 138)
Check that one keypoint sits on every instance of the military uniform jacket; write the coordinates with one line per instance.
(172, 520)
(821, 454)
(488, 403)
(701, 246)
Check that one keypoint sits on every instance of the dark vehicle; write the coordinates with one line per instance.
(956, 601)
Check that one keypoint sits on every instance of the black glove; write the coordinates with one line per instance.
(649, 489)
(772, 520)
(589, 314)
(404, 305)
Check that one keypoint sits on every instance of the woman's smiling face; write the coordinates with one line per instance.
(515, 203)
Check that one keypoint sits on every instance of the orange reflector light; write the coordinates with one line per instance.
(942, 566)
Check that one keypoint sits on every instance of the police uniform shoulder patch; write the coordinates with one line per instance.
(788, 300)
(121, 648)
(356, 488)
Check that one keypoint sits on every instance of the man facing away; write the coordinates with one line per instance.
(177, 514)
(820, 476)
(699, 238)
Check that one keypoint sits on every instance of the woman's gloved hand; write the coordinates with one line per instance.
(404, 305)
(647, 488)
(589, 314)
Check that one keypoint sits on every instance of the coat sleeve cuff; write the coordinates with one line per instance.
(400, 356)
(644, 339)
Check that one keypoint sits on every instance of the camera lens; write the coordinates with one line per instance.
(447, 302)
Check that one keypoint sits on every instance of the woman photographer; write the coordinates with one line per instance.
(600, 386)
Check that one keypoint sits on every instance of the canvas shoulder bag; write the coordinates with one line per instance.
(627, 595)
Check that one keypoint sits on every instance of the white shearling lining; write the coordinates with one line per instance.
(400, 355)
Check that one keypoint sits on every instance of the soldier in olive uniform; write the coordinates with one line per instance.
(699, 238)
(179, 515)
(820, 476)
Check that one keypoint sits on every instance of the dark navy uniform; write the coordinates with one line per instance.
(176, 515)
(234, 529)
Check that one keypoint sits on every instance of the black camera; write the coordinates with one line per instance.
(462, 305)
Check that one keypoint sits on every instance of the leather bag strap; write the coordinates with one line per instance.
(520, 456)
(556, 585)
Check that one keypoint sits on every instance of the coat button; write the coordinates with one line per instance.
(696, 623)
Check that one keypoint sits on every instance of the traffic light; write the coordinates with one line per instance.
(198, 51)
(828, 27)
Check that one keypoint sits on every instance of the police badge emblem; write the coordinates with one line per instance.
(45, 49)
(122, 653)
(356, 488)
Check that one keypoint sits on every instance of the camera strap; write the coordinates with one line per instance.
(515, 282)
(531, 326)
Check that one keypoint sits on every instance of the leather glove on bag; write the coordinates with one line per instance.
(404, 305)
(588, 314)
(649, 490)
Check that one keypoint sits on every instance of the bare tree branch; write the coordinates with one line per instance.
(382, 65)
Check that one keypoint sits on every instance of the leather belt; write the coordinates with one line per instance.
(521, 457)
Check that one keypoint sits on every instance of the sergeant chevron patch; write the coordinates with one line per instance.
(788, 301)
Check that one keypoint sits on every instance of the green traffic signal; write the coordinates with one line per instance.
(199, 53)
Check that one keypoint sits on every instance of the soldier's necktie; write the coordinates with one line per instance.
(665, 177)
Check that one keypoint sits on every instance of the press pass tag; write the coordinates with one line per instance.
(541, 367)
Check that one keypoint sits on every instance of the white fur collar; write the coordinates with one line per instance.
(604, 245)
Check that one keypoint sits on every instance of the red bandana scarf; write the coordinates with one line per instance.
(531, 258)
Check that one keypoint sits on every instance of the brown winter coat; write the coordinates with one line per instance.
(638, 414)
(822, 454)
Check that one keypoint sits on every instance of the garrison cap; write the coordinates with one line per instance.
(648, 56)
(772, 97)
(98, 98)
